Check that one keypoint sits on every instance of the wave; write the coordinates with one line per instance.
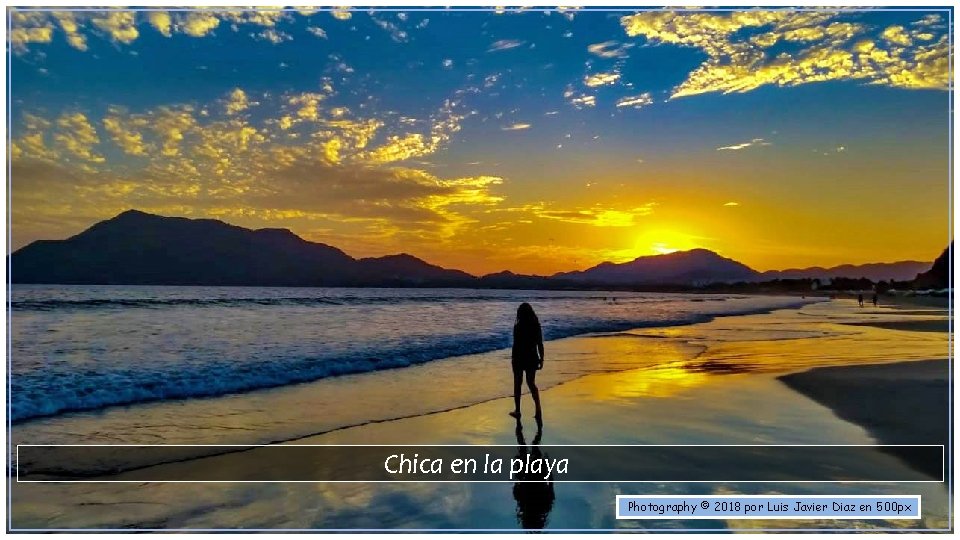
(48, 394)
(125, 303)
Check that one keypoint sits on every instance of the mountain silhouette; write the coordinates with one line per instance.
(409, 270)
(137, 248)
(896, 271)
(938, 276)
(693, 267)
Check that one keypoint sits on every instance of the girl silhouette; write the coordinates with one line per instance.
(527, 357)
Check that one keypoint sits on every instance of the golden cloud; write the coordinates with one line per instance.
(341, 13)
(738, 60)
(199, 23)
(237, 102)
(125, 131)
(121, 26)
(68, 23)
(635, 102)
(583, 100)
(170, 125)
(596, 216)
(400, 148)
(27, 27)
(78, 136)
(601, 79)
(161, 21)
(219, 160)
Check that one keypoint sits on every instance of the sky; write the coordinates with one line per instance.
(532, 140)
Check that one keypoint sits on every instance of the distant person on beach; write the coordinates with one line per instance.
(527, 357)
(860, 299)
(875, 300)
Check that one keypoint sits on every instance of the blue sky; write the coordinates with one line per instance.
(536, 141)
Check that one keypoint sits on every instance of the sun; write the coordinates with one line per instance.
(661, 248)
(664, 241)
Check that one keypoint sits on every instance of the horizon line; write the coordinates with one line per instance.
(505, 270)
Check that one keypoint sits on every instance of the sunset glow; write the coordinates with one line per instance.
(537, 141)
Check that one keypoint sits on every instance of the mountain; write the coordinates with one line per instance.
(408, 270)
(938, 276)
(697, 266)
(139, 248)
(896, 271)
(509, 280)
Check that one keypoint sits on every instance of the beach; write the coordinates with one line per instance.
(827, 372)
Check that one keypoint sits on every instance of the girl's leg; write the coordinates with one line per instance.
(534, 391)
(517, 381)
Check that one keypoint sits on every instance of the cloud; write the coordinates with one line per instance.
(396, 33)
(317, 31)
(126, 131)
(273, 36)
(121, 26)
(78, 136)
(516, 127)
(237, 102)
(199, 23)
(897, 35)
(68, 23)
(818, 48)
(32, 144)
(581, 101)
(635, 102)
(28, 27)
(731, 203)
(161, 21)
(748, 144)
(400, 148)
(505, 44)
(334, 166)
(124, 26)
(596, 216)
(610, 49)
(171, 124)
(601, 79)
(341, 13)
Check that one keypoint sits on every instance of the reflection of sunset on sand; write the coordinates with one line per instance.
(661, 382)
(668, 397)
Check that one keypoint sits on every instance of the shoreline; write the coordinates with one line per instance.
(339, 372)
(682, 392)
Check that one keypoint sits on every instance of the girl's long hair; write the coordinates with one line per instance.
(526, 317)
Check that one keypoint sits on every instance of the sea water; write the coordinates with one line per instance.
(84, 348)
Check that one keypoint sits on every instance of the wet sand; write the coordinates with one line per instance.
(928, 325)
(712, 383)
(903, 403)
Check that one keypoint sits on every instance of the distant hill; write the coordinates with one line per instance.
(896, 271)
(697, 266)
(139, 248)
(407, 269)
(509, 280)
(938, 276)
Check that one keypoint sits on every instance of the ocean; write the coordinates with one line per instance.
(86, 348)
